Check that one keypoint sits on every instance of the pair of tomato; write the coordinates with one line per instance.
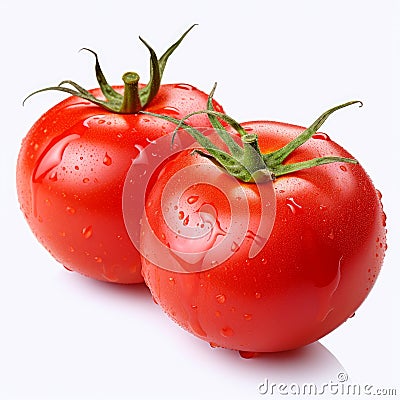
(242, 241)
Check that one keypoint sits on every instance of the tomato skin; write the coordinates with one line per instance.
(322, 258)
(70, 175)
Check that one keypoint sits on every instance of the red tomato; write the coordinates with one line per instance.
(312, 272)
(71, 172)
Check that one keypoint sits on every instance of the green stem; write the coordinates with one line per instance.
(131, 101)
(134, 99)
(252, 157)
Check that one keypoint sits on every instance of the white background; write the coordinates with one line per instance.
(63, 336)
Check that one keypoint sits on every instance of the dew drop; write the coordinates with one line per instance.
(183, 86)
(186, 220)
(213, 345)
(107, 160)
(257, 295)
(87, 232)
(343, 168)
(293, 206)
(221, 298)
(70, 210)
(53, 176)
(181, 215)
(170, 110)
(383, 219)
(68, 269)
(171, 281)
(85, 180)
(247, 354)
(98, 259)
(192, 199)
(352, 315)
(247, 317)
(234, 247)
(217, 314)
(226, 331)
(321, 136)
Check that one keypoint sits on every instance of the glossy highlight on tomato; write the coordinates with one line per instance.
(320, 261)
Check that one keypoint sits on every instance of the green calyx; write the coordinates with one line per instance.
(133, 99)
(246, 162)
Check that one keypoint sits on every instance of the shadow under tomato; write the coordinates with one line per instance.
(309, 364)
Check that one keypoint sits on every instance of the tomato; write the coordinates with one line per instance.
(73, 163)
(316, 259)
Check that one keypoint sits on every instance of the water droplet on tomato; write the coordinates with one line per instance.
(331, 235)
(192, 199)
(248, 317)
(68, 269)
(98, 259)
(87, 232)
(352, 315)
(70, 210)
(169, 110)
(183, 86)
(101, 121)
(213, 345)
(247, 354)
(257, 295)
(181, 215)
(226, 331)
(294, 207)
(379, 194)
(321, 136)
(107, 160)
(343, 168)
(384, 219)
(186, 220)
(110, 272)
(171, 281)
(235, 247)
(85, 180)
(53, 176)
(220, 298)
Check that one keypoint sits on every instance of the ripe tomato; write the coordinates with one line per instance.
(73, 163)
(316, 261)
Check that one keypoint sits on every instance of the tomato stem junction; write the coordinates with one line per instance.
(133, 99)
(246, 162)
